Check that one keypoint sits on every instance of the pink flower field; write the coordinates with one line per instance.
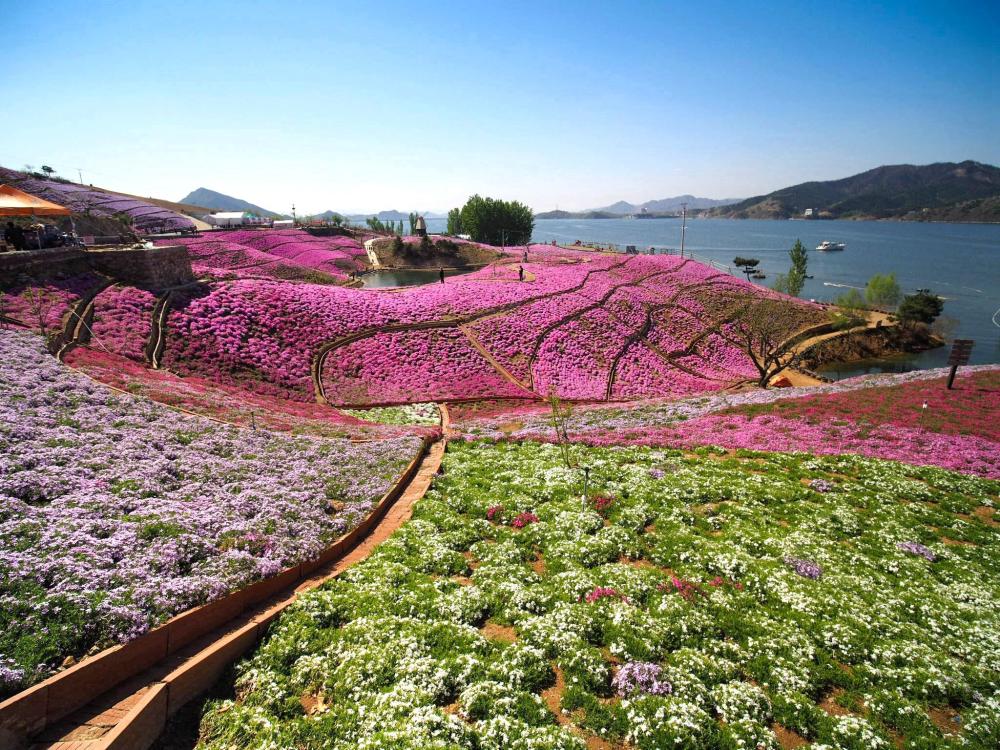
(283, 254)
(878, 417)
(587, 326)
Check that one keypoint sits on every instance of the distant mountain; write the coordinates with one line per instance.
(666, 205)
(946, 191)
(220, 202)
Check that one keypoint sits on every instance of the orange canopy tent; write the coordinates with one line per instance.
(14, 202)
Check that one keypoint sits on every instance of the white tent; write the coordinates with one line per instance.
(227, 219)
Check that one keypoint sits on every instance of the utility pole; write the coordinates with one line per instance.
(684, 216)
(294, 222)
(79, 171)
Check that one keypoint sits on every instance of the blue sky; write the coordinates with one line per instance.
(362, 106)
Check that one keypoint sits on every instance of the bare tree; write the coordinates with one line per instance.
(40, 304)
(560, 418)
(761, 328)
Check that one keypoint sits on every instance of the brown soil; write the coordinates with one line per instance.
(641, 563)
(943, 719)
(312, 704)
(508, 427)
(949, 542)
(538, 565)
(496, 632)
(831, 706)
(462, 580)
(787, 738)
(553, 696)
(986, 514)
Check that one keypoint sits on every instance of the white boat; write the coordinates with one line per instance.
(827, 246)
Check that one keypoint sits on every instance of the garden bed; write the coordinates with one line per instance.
(116, 512)
(696, 601)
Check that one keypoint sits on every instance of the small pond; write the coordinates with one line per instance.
(396, 277)
(895, 364)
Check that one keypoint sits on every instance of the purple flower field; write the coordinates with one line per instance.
(145, 216)
(116, 512)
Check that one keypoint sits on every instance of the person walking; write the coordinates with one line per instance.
(520, 273)
(441, 272)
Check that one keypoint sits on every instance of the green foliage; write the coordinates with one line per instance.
(376, 224)
(796, 278)
(496, 222)
(455, 221)
(747, 264)
(413, 222)
(850, 310)
(922, 307)
(882, 290)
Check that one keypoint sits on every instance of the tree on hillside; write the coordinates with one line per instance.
(49, 171)
(759, 327)
(496, 222)
(796, 278)
(455, 221)
(389, 227)
(882, 290)
(922, 307)
(747, 264)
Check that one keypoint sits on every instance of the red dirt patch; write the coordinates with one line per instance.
(831, 706)
(944, 719)
(986, 514)
(787, 738)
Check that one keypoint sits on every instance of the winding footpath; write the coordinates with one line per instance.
(133, 713)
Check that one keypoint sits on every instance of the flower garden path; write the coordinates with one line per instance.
(129, 714)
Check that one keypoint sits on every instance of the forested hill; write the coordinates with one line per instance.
(947, 191)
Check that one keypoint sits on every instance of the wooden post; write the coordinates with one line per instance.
(961, 349)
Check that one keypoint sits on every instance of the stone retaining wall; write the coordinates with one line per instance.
(153, 268)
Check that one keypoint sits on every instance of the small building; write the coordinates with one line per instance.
(283, 224)
(809, 213)
(227, 219)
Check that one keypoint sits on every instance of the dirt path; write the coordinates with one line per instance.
(113, 715)
(796, 377)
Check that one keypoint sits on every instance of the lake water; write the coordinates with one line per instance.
(407, 277)
(961, 262)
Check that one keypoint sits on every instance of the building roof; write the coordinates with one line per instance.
(229, 215)
(14, 202)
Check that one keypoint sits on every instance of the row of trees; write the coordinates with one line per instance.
(390, 227)
(493, 221)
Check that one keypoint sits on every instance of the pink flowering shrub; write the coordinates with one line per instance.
(57, 298)
(524, 519)
(603, 592)
(122, 320)
(406, 366)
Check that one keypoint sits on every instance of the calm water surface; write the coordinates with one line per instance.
(961, 262)
(407, 277)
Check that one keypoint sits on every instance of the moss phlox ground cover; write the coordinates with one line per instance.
(463, 631)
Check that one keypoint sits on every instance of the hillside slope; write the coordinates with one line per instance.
(967, 191)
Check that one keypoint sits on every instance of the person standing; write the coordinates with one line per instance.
(520, 273)
(441, 272)
(14, 235)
